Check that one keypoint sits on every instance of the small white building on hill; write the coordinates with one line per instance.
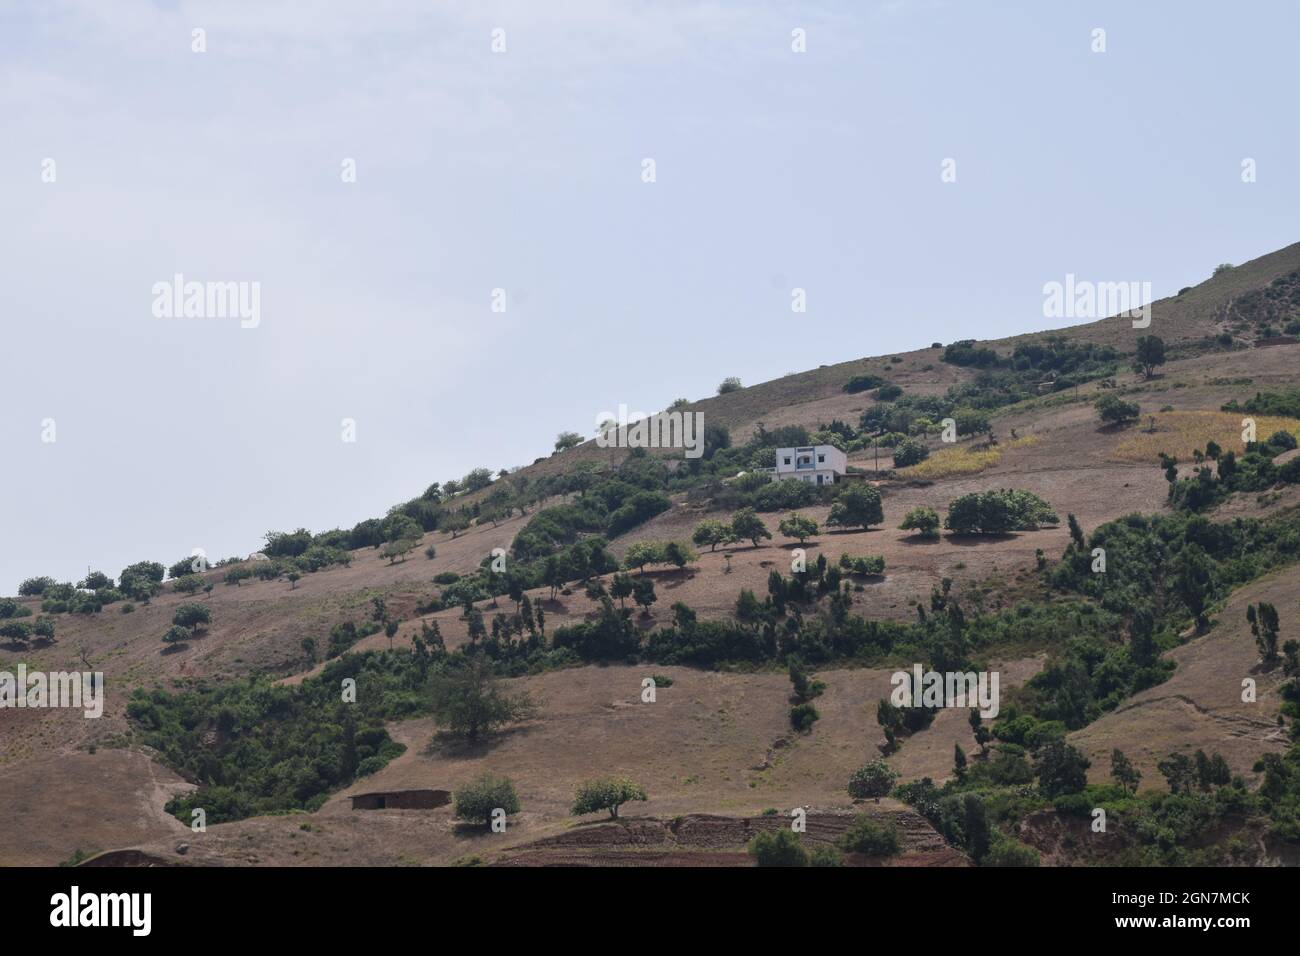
(816, 464)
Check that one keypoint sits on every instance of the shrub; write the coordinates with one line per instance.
(823, 855)
(1113, 410)
(862, 383)
(873, 781)
(1008, 852)
(729, 384)
(778, 848)
(887, 393)
(803, 716)
(19, 631)
(188, 583)
(997, 512)
(868, 564)
(191, 616)
(871, 838)
(923, 520)
(606, 793)
(475, 801)
(909, 452)
(798, 526)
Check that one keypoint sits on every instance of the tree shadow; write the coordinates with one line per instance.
(176, 648)
(972, 539)
(917, 539)
(445, 743)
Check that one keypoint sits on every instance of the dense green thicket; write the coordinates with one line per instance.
(1253, 471)
(255, 747)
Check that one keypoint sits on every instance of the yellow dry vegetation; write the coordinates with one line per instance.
(1181, 433)
(958, 461)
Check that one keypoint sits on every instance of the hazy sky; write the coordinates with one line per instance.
(522, 171)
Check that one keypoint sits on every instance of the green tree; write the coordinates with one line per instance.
(566, 440)
(910, 452)
(873, 781)
(621, 587)
(858, 505)
(798, 526)
(1264, 626)
(746, 525)
(729, 384)
(1150, 353)
(606, 793)
(643, 593)
(1061, 769)
(1123, 772)
(923, 520)
(192, 616)
(1113, 410)
(712, 533)
(400, 548)
(470, 701)
(1193, 580)
(679, 554)
(476, 801)
(453, 522)
(175, 634)
(641, 553)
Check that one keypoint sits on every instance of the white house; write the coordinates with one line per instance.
(817, 464)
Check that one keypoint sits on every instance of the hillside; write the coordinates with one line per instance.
(718, 742)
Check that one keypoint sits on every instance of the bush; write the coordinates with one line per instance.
(1008, 852)
(192, 615)
(606, 793)
(176, 634)
(1113, 410)
(910, 452)
(997, 512)
(871, 838)
(798, 526)
(862, 383)
(446, 577)
(475, 801)
(729, 384)
(870, 564)
(19, 631)
(924, 521)
(778, 848)
(803, 716)
(34, 587)
(823, 855)
(873, 781)
(188, 583)
(887, 393)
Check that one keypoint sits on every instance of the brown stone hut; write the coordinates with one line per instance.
(401, 800)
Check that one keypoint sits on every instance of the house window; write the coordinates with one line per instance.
(821, 458)
(787, 461)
